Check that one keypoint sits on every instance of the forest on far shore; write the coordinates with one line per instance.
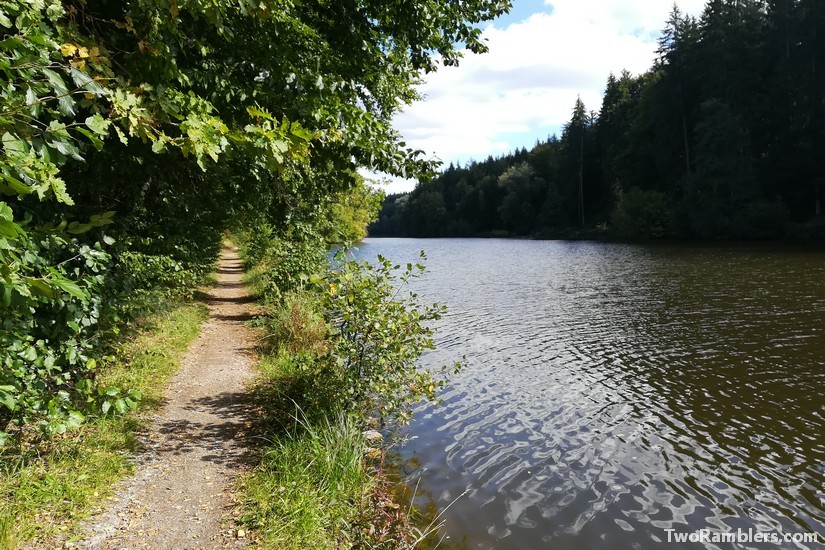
(722, 138)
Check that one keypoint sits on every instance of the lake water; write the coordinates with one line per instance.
(615, 391)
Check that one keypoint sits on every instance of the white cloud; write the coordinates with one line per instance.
(528, 82)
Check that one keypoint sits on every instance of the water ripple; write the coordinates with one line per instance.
(615, 391)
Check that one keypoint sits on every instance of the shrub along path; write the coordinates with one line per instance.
(201, 439)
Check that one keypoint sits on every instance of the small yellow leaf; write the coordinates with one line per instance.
(79, 64)
(67, 50)
(83, 52)
(94, 51)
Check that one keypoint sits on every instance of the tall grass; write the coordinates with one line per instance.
(308, 490)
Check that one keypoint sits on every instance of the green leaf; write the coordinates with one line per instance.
(77, 228)
(64, 99)
(86, 82)
(257, 112)
(121, 406)
(66, 148)
(95, 141)
(8, 229)
(6, 397)
(31, 98)
(14, 186)
(97, 124)
(121, 136)
(42, 288)
(75, 420)
(14, 145)
(158, 146)
(12, 43)
(58, 187)
(69, 286)
(30, 354)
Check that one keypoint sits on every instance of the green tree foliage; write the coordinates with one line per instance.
(525, 194)
(726, 128)
(380, 329)
(641, 215)
(350, 212)
(134, 132)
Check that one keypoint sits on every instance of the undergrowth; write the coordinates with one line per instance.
(320, 482)
(338, 364)
(48, 484)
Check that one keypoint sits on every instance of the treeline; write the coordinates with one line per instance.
(722, 138)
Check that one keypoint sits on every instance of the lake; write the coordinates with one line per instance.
(615, 391)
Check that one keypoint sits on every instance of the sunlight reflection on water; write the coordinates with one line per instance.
(613, 391)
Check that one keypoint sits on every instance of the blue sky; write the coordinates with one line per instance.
(543, 55)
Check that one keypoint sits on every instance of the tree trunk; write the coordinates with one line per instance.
(581, 176)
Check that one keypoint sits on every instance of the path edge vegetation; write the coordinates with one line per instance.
(48, 487)
(339, 342)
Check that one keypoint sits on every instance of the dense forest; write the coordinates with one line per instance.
(722, 138)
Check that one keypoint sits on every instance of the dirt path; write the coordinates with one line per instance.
(181, 494)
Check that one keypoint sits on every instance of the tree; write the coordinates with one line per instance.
(524, 196)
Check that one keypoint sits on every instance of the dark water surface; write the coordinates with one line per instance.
(614, 391)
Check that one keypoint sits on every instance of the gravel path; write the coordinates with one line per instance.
(181, 494)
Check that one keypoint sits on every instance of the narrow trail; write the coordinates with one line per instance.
(181, 494)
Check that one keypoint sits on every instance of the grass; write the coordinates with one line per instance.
(319, 483)
(309, 488)
(316, 486)
(45, 490)
(307, 492)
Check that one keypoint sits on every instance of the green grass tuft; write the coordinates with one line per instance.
(308, 490)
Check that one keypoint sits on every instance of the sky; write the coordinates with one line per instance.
(543, 55)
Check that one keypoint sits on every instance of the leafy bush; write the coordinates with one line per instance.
(352, 323)
(379, 332)
(61, 306)
(49, 323)
(641, 215)
(141, 274)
